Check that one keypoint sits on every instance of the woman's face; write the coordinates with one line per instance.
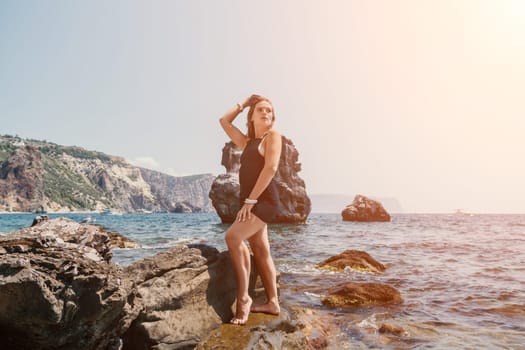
(263, 113)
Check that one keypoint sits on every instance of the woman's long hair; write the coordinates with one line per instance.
(251, 128)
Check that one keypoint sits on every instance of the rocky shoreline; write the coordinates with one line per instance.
(60, 290)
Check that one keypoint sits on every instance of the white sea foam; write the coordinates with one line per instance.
(313, 295)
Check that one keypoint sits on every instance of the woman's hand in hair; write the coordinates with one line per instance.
(253, 99)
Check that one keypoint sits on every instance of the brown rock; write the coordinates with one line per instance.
(392, 329)
(355, 259)
(360, 294)
(261, 332)
(365, 209)
(119, 241)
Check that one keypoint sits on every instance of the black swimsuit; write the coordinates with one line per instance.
(251, 165)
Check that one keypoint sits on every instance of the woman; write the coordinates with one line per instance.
(259, 160)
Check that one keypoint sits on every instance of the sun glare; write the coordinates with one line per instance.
(507, 16)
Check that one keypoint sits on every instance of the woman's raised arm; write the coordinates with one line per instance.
(236, 135)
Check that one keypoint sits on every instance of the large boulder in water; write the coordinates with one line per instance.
(224, 194)
(354, 259)
(294, 203)
(59, 291)
(365, 209)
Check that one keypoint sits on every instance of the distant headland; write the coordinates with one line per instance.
(41, 176)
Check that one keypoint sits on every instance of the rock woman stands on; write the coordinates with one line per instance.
(259, 161)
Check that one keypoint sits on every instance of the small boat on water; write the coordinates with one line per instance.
(106, 211)
(461, 212)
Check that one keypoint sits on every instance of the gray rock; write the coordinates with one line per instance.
(185, 292)
(294, 203)
(61, 290)
(365, 209)
(224, 194)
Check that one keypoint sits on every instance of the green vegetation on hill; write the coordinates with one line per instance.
(68, 188)
(8, 145)
(73, 151)
(6, 149)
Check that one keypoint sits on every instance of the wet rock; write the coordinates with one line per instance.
(361, 294)
(294, 206)
(279, 334)
(392, 329)
(261, 332)
(365, 209)
(319, 328)
(354, 259)
(62, 292)
(120, 241)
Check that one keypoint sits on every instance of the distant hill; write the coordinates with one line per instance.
(39, 174)
(335, 203)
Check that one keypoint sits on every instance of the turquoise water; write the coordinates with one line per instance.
(462, 277)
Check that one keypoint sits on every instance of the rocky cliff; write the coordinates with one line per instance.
(36, 174)
(179, 194)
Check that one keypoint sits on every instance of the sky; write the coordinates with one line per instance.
(414, 99)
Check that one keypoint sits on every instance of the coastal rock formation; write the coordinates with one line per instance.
(365, 209)
(62, 293)
(361, 294)
(185, 292)
(354, 259)
(39, 174)
(294, 206)
(21, 181)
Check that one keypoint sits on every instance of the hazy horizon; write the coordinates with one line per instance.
(415, 100)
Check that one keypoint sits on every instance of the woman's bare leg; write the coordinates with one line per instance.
(263, 259)
(238, 232)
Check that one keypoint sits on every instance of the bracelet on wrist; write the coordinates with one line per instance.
(250, 201)
(239, 105)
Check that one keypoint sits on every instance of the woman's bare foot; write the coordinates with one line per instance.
(271, 308)
(242, 312)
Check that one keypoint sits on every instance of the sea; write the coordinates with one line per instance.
(461, 276)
